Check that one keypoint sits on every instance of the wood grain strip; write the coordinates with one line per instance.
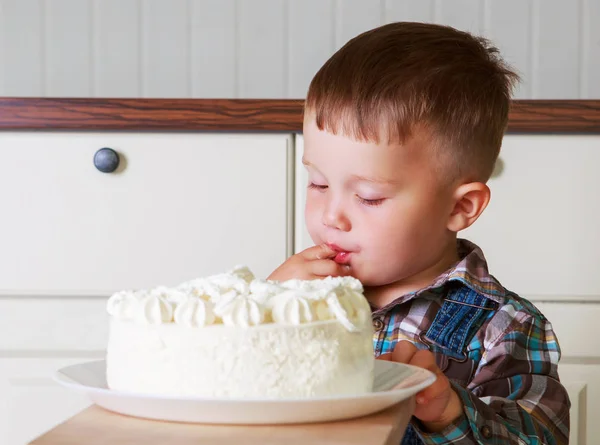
(285, 115)
(555, 116)
(151, 114)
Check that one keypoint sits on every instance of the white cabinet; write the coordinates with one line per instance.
(583, 383)
(30, 402)
(38, 336)
(48, 325)
(540, 231)
(302, 238)
(180, 205)
(580, 365)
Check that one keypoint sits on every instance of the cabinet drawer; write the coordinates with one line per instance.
(540, 232)
(584, 424)
(572, 323)
(51, 325)
(180, 205)
(32, 403)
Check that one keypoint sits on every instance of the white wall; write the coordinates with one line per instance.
(267, 48)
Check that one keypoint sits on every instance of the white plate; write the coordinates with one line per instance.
(394, 382)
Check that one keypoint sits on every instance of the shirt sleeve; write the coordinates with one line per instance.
(515, 396)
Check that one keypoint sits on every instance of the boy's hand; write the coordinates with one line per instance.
(312, 263)
(437, 405)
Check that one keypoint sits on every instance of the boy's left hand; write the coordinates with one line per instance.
(437, 405)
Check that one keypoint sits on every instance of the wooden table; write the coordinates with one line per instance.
(96, 426)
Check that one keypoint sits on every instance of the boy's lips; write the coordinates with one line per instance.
(342, 256)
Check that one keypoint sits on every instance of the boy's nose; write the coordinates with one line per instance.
(334, 218)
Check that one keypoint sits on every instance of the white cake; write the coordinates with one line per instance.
(231, 335)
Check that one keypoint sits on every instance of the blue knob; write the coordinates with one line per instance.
(106, 160)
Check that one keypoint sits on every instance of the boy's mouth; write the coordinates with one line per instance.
(342, 256)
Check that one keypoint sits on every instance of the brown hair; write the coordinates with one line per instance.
(389, 82)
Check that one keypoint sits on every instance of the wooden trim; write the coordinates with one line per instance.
(285, 115)
(555, 116)
(151, 114)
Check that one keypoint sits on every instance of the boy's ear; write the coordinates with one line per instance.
(470, 200)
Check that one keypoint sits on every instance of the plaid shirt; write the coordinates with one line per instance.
(509, 384)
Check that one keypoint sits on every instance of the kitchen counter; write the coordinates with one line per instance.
(96, 426)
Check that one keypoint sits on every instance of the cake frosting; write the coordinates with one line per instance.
(233, 335)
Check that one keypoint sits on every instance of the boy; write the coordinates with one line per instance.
(402, 128)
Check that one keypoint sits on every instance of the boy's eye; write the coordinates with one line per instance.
(370, 202)
(312, 185)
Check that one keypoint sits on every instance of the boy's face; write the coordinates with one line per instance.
(382, 206)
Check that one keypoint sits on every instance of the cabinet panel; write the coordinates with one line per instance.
(583, 381)
(180, 205)
(571, 323)
(31, 403)
(302, 238)
(540, 230)
(53, 324)
(578, 414)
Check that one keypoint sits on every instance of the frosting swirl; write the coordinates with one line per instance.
(123, 304)
(194, 312)
(264, 291)
(239, 310)
(174, 296)
(154, 309)
(292, 308)
(347, 306)
(215, 286)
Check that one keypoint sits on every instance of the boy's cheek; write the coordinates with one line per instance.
(309, 221)
(311, 214)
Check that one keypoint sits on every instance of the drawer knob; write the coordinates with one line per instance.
(106, 160)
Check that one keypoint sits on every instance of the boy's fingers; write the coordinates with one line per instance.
(403, 352)
(385, 357)
(325, 268)
(320, 252)
(433, 391)
(425, 359)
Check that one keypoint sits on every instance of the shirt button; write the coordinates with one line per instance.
(378, 324)
(486, 431)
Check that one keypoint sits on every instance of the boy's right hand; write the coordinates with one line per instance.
(313, 263)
